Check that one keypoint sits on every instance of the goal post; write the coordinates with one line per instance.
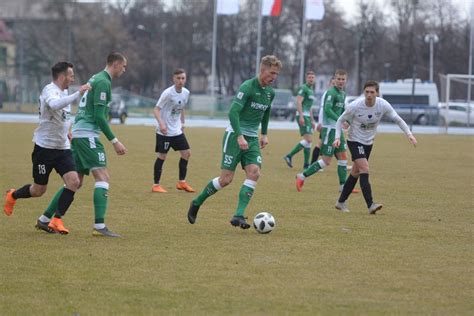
(457, 94)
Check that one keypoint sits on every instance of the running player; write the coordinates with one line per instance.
(333, 108)
(52, 148)
(169, 113)
(241, 144)
(365, 115)
(305, 120)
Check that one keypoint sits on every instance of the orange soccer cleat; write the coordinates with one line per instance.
(158, 189)
(299, 182)
(57, 225)
(182, 185)
(9, 202)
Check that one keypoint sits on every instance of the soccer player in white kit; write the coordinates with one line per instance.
(52, 147)
(170, 116)
(364, 115)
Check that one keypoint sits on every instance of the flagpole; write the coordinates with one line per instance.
(259, 37)
(213, 63)
(303, 31)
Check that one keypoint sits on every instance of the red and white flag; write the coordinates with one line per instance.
(227, 7)
(314, 10)
(271, 7)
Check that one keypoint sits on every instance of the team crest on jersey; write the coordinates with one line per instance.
(240, 95)
(103, 96)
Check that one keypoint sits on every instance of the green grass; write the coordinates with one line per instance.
(414, 257)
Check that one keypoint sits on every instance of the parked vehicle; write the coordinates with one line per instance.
(455, 114)
(118, 108)
(283, 105)
(411, 108)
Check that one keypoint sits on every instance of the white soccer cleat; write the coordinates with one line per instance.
(374, 208)
(341, 206)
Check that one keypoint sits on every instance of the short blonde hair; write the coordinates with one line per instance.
(270, 61)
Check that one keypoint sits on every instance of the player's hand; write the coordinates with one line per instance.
(69, 135)
(319, 127)
(84, 88)
(301, 120)
(345, 125)
(120, 148)
(313, 125)
(263, 141)
(412, 140)
(163, 129)
(336, 143)
(242, 143)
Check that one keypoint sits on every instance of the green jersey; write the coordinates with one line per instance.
(333, 106)
(92, 114)
(306, 92)
(250, 107)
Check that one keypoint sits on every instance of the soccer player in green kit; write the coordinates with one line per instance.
(305, 120)
(241, 144)
(88, 152)
(333, 108)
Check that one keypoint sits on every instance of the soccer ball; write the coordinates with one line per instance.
(264, 222)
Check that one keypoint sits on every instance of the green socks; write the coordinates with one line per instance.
(245, 194)
(100, 201)
(211, 188)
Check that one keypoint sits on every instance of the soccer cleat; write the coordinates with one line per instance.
(299, 182)
(355, 190)
(182, 185)
(239, 221)
(288, 161)
(192, 212)
(104, 232)
(158, 188)
(9, 202)
(341, 206)
(349, 168)
(374, 208)
(44, 227)
(57, 226)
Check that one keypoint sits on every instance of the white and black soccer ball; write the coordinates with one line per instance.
(264, 222)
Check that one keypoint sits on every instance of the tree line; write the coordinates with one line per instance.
(375, 43)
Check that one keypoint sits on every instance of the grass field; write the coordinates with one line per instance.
(414, 257)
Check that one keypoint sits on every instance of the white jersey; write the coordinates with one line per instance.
(54, 117)
(364, 120)
(321, 109)
(172, 104)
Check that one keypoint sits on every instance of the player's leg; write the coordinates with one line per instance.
(327, 151)
(231, 155)
(251, 161)
(181, 144)
(42, 166)
(308, 138)
(317, 147)
(298, 147)
(161, 148)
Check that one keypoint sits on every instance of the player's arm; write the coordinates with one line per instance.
(345, 116)
(299, 105)
(234, 116)
(55, 102)
(264, 130)
(328, 111)
(157, 112)
(401, 123)
(101, 113)
(182, 118)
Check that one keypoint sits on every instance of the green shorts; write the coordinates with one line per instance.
(232, 154)
(327, 138)
(88, 153)
(307, 128)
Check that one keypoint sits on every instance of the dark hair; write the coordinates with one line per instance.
(372, 83)
(178, 71)
(310, 72)
(340, 72)
(60, 68)
(113, 57)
